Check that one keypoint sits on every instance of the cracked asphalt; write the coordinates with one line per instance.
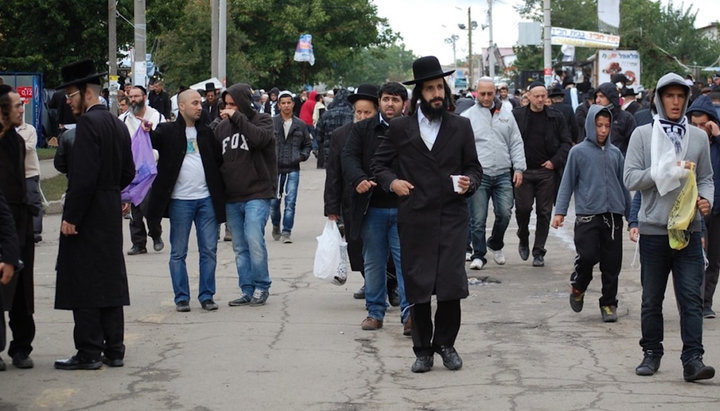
(523, 348)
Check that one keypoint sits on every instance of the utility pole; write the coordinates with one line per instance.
(140, 66)
(470, 65)
(547, 48)
(214, 30)
(491, 47)
(222, 42)
(112, 55)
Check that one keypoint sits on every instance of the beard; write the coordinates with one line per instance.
(431, 112)
(137, 108)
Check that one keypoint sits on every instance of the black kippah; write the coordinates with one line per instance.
(4, 89)
(535, 84)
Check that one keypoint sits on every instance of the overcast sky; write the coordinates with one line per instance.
(425, 24)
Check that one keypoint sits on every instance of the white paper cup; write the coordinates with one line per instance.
(456, 182)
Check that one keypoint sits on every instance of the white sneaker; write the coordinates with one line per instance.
(498, 256)
(468, 256)
(477, 264)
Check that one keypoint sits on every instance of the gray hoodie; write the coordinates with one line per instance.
(594, 174)
(654, 210)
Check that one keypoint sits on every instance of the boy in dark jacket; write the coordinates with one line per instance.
(593, 172)
(293, 146)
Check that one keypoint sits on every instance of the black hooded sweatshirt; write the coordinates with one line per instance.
(623, 123)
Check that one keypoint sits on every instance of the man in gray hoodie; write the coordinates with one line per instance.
(594, 172)
(659, 158)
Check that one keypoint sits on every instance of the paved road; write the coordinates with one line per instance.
(522, 346)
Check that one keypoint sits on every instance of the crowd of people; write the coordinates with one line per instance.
(409, 179)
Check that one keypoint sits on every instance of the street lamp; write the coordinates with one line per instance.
(451, 40)
(472, 25)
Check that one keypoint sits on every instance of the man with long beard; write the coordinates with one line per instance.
(428, 159)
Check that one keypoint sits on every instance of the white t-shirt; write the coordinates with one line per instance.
(191, 184)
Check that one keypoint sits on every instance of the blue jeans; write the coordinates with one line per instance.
(380, 239)
(657, 260)
(500, 189)
(287, 183)
(182, 214)
(246, 221)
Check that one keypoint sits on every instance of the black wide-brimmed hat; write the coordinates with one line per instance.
(210, 86)
(427, 68)
(365, 92)
(628, 91)
(81, 72)
(556, 92)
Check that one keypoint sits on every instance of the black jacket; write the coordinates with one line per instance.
(161, 102)
(557, 136)
(170, 142)
(293, 149)
(570, 119)
(337, 194)
(623, 123)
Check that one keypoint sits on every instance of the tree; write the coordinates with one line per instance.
(377, 65)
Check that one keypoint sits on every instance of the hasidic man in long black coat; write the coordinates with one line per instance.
(430, 146)
(91, 276)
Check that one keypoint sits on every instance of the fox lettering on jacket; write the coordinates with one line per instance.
(234, 142)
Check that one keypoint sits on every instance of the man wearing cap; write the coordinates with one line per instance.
(249, 170)
(557, 96)
(374, 210)
(210, 105)
(702, 115)
(140, 114)
(293, 147)
(658, 162)
(546, 140)
(91, 276)
(428, 159)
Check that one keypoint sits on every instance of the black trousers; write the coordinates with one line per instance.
(427, 341)
(712, 245)
(598, 239)
(539, 186)
(21, 322)
(138, 234)
(98, 331)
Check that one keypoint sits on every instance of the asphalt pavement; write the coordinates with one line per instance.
(523, 348)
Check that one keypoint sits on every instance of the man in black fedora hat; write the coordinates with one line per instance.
(428, 159)
(91, 276)
(210, 105)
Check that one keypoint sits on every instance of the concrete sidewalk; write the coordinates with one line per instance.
(523, 348)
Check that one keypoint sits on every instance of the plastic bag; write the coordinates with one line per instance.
(682, 213)
(331, 261)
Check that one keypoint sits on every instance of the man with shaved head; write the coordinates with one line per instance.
(188, 188)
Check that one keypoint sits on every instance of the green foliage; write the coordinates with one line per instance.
(644, 26)
(376, 65)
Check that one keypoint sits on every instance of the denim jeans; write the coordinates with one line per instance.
(500, 189)
(182, 214)
(657, 260)
(246, 221)
(288, 185)
(380, 239)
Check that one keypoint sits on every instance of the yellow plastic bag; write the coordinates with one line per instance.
(682, 213)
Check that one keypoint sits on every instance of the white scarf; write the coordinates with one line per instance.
(666, 150)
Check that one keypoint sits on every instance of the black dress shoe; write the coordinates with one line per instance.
(394, 297)
(74, 363)
(695, 370)
(538, 261)
(423, 363)
(158, 244)
(524, 252)
(649, 365)
(359, 294)
(451, 359)
(22, 361)
(135, 250)
(113, 362)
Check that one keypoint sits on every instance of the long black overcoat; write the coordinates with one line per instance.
(90, 266)
(433, 219)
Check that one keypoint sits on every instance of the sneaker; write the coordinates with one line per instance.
(276, 233)
(577, 298)
(609, 313)
(285, 238)
(468, 256)
(539, 261)
(182, 306)
(477, 264)
(498, 256)
(708, 313)
(694, 370)
(22, 361)
(209, 305)
(649, 365)
(243, 300)
(158, 244)
(136, 249)
(259, 297)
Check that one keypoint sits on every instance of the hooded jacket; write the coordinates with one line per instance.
(306, 111)
(654, 210)
(271, 107)
(593, 173)
(249, 167)
(704, 105)
(623, 122)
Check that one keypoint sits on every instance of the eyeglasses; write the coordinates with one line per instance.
(71, 95)
(485, 93)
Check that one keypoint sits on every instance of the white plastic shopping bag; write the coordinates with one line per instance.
(331, 259)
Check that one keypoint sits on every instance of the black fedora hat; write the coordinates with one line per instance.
(628, 91)
(556, 92)
(80, 72)
(365, 92)
(427, 68)
(210, 86)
